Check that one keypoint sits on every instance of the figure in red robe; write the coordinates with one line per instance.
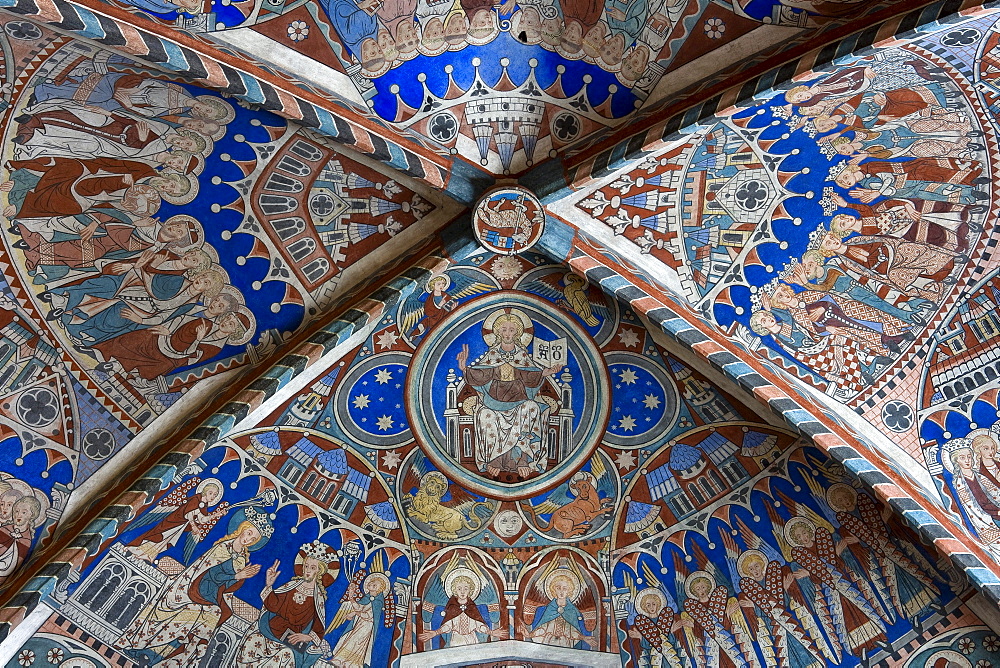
(69, 186)
(290, 630)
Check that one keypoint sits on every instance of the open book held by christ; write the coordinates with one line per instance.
(549, 353)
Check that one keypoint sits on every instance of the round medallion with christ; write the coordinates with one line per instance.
(505, 395)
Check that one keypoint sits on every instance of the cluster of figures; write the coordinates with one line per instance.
(97, 150)
(975, 479)
(558, 608)
(868, 281)
(616, 35)
(22, 511)
(827, 594)
(177, 626)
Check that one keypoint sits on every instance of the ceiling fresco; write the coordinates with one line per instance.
(674, 542)
(839, 229)
(504, 85)
(161, 238)
(721, 392)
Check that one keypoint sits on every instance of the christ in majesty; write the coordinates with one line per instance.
(510, 412)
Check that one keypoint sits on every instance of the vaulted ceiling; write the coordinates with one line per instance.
(247, 242)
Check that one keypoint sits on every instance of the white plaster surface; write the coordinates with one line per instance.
(510, 650)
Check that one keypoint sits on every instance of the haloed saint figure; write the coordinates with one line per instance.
(508, 409)
(503, 393)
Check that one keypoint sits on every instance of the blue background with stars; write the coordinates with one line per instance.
(378, 395)
(635, 394)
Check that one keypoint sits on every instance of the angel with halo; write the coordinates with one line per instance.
(178, 514)
(462, 620)
(420, 314)
(653, 620)
(851, 622)
(908, 587)
(774, 603)
(715, 627)
(368, 605)
(561, 608)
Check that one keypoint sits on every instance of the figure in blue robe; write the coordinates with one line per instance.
(353, 24)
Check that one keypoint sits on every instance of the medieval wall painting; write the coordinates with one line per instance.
(246, 561)
(501, 84)
(958, 412)
(337, 533)
(836, 230)
(158, 236)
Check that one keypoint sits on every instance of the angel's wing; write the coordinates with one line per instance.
(171, 502)
(755, 542)
(819, 494)
(680, 577)
(777, 529)
(189, 544)
(632, 590)
(465, 285)
(802, 510)
(732, 554)
(549, 285)
(699, 557)
(650, 577)
(340, 617)
(412, 312)
(153, 516)
(588, 608)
